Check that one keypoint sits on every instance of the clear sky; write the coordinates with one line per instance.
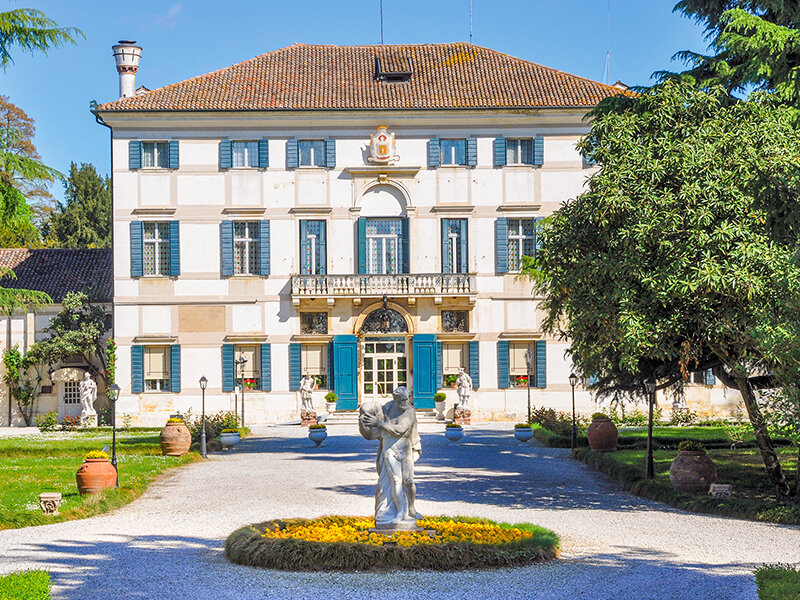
(182, 39)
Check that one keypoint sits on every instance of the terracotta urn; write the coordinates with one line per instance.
(94, 475)
(175, 439)
(602, 434)
(692, 472)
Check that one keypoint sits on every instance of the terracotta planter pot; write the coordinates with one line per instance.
(94, 475)
(175, 439)
(603, 435)
(692, 472)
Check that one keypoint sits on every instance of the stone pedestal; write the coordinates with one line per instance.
(50, 502)
(307, 417)
(461, 416)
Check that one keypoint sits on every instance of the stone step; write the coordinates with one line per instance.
(350, 417)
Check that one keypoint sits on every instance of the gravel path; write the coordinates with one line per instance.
(168, 544)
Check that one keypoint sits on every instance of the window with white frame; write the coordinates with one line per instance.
(454, 358)
(314, 361)
(519, 151)
(246, 248)
(155, 155)
(244, 154)
(312, 153)
(517, 366)
(72, 392)
(249, 374)
(156, 249)
(453, 152)
(521, 241)
(384, 254)
(156, 369)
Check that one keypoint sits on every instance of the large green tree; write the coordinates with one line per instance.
(30, 30)
(670, 262)
(83, 220)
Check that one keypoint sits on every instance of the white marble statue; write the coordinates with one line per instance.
(307, 385)
(88, 392)
(464, 388)
(395, 425)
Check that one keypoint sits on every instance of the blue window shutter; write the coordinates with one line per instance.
(501, 245)
(266, 368)
(362, 245)
(439, 378)
(502, 364)
(137, 249)
(322, 249)
(424, 359)
(225, 154)
(463, 258)
(263, 154)
(500, 152)
(174, 249)
(541, 364)
(710, 379)
(263, 248)
(331, 367)
(330, 153)
(226, 248)
(305, 261)
(174, 154)
(474, 364)
(538, 151)
(294, 366)
(406, 245)
(345, 371)
(537, 225)
(137, 369)
(292, 156)
(228, 368)
(134, 155)
(472, 151)
(175, 368)
(434, 154)
(446, 266)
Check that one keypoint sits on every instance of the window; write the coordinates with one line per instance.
(249, 374)
(453, 152)
(384, 254)
(517, 367)
(454, 357)
(455, 321)
(156, 369)
(454, 246)
(245, 248)
(314, 322)
(312, 247)
(156, 249)
(519, 151)
(521, 242)
(314, 361)
(312, 153)
(244, 154)
(72, 392)
(155, 155)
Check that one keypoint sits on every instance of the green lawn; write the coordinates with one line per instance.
(689, 433)
(47, 463)
(25, 585)
(778, 582)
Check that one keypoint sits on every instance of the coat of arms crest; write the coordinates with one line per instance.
(382, 147)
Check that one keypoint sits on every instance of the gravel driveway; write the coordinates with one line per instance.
(168, 544)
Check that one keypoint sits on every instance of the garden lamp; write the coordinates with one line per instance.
(573, 381)
(113, 393)
(650, 387)
(203, 385)
(528, 363)
(241, 361)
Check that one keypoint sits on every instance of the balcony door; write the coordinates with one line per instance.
(384, 254)
(385, 366)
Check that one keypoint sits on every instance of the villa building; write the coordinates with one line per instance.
(359, 213)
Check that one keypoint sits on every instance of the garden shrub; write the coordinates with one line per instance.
(682, 417)
(25, 585)
(778, 582)
(48, 422)
(559, 423)
(215, 423)
(691, 446)
(70, 423)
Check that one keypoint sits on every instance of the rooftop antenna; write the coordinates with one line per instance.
(607, 68)
(381, 22)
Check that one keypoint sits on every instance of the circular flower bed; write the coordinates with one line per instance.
(346, 544)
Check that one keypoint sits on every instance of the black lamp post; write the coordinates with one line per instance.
(528, 362)
(650, 386)
(573, 381)
(203, 384)
(113, 393)
(241, 362)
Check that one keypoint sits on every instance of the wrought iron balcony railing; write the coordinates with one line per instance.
(405, 284)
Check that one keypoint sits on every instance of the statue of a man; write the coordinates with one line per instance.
(395, 425)
(464, 388)
(88, 392)
(307, 385)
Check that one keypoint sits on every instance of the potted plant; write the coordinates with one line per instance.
(96, 473)
(692, 471)
(175, 438)
(317, 432)
(602, 433)
(330, 402)
(451, 380)
(522, 381)
(229, 437)
(523, 432)
(439, 401)
(453, 432)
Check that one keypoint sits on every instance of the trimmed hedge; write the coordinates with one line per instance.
(25, 585)
(247, 546)
(632, 479)
(778, 582)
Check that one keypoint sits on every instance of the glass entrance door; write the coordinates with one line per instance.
(384, 367)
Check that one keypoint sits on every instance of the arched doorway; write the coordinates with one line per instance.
(384, 339)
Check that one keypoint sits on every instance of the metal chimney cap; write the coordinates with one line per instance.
(126, 42)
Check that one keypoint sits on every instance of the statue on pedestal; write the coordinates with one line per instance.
(88, 392)
(307, 385)
(463, 388)
(395, 425)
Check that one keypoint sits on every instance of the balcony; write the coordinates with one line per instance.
(411, 286)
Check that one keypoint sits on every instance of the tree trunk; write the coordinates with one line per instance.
(768, 454)
(797, 473)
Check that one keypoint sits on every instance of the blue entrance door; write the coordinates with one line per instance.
(345, 371)
(424, 356)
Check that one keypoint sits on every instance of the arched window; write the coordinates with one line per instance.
(384, 320)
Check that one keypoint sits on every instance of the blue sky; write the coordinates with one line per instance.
(185, 38)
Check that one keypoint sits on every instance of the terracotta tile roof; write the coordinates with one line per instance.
(58, 271)
(306, 76)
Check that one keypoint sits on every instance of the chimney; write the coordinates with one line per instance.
(127, 55)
